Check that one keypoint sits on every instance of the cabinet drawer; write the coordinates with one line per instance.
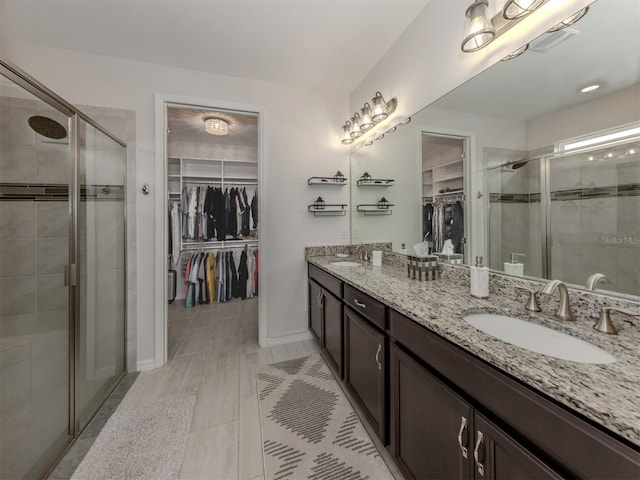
(366, 306)
(328, 281)
(568, 441)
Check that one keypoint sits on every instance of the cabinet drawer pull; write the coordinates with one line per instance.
(475, 454)
(463, 425)
(359, 303)
(320, 299)
(377, 359)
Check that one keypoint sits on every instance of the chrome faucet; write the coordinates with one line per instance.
(594, 279)
(362, 255)
(564, 309)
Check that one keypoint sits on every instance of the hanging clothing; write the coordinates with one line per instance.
(255, 273)
(209, 213)
(232, 219)
(254, 210)
(246, 214)
(427, 218)
(251, 268)
(174, 234)
(184, 210)
(210, 269)
(193, 205)
(457, 228)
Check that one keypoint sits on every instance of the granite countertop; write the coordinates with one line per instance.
(608, 394)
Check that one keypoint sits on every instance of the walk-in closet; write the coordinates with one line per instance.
(213, 223)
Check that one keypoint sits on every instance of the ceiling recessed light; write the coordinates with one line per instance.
(590, 88)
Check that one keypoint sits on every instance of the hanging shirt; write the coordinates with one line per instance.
(193, 203)
(175, 232)
(251, 268)
(210, 270)
(255, 274)
(254, 210)
(184, 210)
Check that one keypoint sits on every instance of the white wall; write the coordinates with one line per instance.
(301, 140)
(619, 108)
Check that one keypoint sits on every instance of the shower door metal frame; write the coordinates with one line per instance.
(31, 85)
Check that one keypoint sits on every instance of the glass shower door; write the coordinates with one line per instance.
(100, 342)
(594, 216)
(35, 380)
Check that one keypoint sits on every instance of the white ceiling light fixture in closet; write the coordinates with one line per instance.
(216, 126)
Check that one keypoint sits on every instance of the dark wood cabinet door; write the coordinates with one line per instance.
(315, 309)
(431, 426)
(365, 353)
(332, 329)
(497, 456)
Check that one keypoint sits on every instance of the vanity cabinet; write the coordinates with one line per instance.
(325, 316)
(563, 442)
(365, 368)
(315, 309)
(437, 434)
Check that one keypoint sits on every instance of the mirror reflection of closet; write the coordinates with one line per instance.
(443, 162)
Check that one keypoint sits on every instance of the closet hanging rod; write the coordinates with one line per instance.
(227, 244)
(217, 182)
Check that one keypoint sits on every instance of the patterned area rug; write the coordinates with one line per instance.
(309, 429)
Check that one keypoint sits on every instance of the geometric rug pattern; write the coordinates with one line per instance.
(309, 428)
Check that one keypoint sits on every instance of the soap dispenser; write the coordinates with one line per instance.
(514, 267)
(479, 279)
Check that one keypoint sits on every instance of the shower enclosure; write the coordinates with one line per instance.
(572, 214)
(62, 272)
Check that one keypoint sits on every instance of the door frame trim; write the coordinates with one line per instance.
(161, 100)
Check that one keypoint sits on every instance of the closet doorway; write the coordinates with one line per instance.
(444, 223)
(213, 218)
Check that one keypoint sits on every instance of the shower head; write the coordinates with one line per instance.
(518, 164)
(47, 127)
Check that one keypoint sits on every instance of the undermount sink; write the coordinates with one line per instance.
(539, 339)
(345, 263)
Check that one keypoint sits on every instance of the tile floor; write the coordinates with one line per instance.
(214, 354)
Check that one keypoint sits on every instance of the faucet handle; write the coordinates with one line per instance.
(605, 325)
(532, 304)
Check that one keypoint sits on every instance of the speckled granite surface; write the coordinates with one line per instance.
(607, 394)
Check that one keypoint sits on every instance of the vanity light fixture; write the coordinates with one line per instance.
(516, 53)
(381, 109)
(366, 122)
(519, 8)
(369, 143)
(478, 29)
(631, 151)
(346, 136)
(406, 121)
(356, 132)
(216, 126)
(590, 88)
(391, 130)
(370, 115)
(379, 137)
(570, 20)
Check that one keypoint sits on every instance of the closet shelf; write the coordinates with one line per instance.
(376, 182)
(326, 181)
(213, 161)
(328, 209)
(375, 208)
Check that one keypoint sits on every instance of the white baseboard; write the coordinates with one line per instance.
(144, 365)
(294, 337)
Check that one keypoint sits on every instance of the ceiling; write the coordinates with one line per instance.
(323, 44)
(606, 50)
(186, 124)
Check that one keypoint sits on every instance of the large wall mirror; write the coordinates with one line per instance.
(528, 150)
